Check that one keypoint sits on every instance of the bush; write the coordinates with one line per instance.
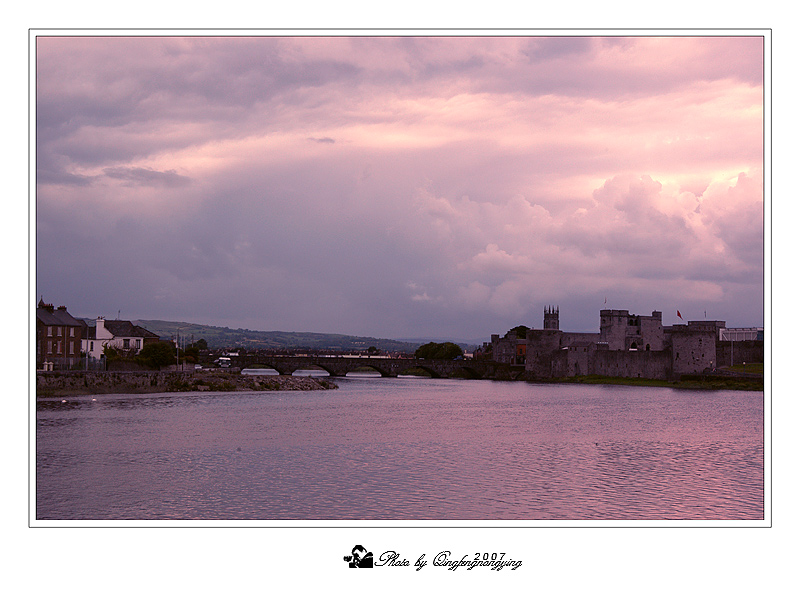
(156, 355)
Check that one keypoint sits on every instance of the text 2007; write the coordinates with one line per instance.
(489, 556)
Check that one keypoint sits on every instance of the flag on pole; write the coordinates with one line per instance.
(679, 315)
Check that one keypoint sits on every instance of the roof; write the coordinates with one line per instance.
(49, 316)
(119, 327)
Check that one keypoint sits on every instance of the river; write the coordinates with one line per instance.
(404, 449)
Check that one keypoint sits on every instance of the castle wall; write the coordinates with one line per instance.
(579, 338)
(503, 350)
(623, 330)
(542, 344)
(613, 328)
(644, 364)
(580, 361)
(652, 332)
(573, 361)
(693, 351)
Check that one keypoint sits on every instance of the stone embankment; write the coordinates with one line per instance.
(50, 384)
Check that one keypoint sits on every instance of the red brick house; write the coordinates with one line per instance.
(58, 337)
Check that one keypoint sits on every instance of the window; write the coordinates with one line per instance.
(72, 332)
(91, 345)
(138, 343)
(49, 330)
(126, 343)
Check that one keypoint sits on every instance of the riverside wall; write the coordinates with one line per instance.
(76, 383)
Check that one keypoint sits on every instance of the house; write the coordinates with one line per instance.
(122, 335)
(58, 337)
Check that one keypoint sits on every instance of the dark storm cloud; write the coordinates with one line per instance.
(149, 85)
(132, 176)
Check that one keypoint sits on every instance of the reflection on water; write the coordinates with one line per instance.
(310, 372)
(404, 448)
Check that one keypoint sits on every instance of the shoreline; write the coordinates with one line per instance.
(80, 383)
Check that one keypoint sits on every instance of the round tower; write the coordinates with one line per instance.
(551, 318)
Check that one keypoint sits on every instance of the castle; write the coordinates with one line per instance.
(627, 345)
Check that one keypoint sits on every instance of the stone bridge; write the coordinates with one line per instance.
(387, 367)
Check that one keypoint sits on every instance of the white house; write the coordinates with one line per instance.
(117, 333)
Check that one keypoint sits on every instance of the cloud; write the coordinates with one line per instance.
(131, 177)
(459, 183)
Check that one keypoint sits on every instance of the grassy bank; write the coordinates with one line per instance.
(750, 369)
(698, 382)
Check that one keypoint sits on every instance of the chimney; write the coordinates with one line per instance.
(100, 330)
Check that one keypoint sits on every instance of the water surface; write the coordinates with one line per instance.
(404, 448)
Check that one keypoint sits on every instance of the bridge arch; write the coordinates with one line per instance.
(314, 367)
(367, 369)
(470, 373)
(262, 365)
(431, 371)
(340, 366)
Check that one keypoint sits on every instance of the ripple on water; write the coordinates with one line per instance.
(404, 449)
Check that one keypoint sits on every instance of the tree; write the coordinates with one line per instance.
(192, 354)
(438, 351)
(156, 355)
(113, 353)
(520, 331)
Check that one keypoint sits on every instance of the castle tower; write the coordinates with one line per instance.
(551, 318)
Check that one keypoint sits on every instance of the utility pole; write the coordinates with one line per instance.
(178, 350)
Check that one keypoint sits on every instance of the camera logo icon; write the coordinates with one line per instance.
(359, 558)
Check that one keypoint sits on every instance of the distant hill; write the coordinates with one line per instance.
(218, 338)
(461, 342)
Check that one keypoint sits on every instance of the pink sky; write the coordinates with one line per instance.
(400, 186)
